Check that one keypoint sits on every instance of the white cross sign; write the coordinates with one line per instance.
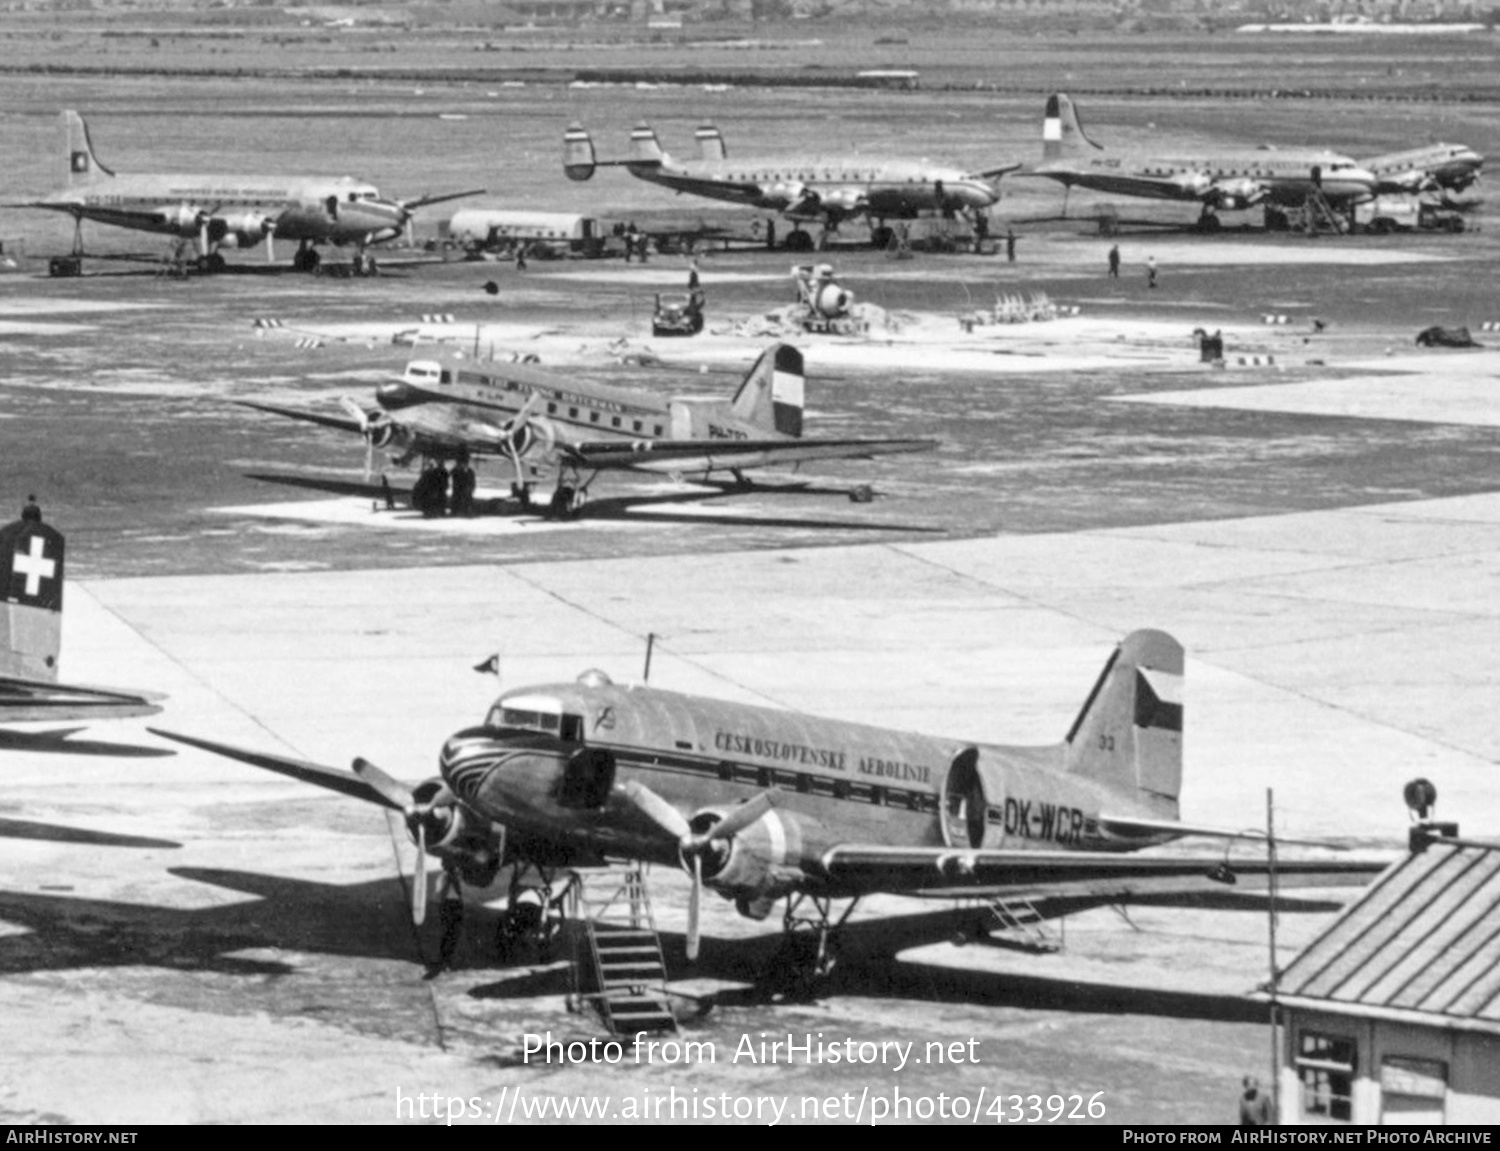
(35, 566)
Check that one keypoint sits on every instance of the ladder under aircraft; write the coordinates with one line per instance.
(622, 972)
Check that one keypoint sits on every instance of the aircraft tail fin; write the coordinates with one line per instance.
(1062, 134)
(1129, 734)
(83, 165)
(645, 148)
(710, 143)
(31, 584)
(579, 160)
(773, 392)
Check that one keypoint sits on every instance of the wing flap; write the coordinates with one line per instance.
(332, 778)
(955, 872)
(28, 699)
(719, 455)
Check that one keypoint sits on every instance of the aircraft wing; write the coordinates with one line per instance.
(343, 423)
(1095, 876)
(1004, 170)
(332, 778)
(31, 699)
(723, 455)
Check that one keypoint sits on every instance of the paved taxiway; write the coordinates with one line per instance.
(265, 969)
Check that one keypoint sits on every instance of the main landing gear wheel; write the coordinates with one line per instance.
(799, 241)
(213, 262)
(881, 237)
(567, 502)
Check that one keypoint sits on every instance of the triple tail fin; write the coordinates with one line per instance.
(773, 393)
(83, 165)
(710, 143)
(579, 160)
(1128, 736)
(1062, 134)
(645, 148)
(31, 586)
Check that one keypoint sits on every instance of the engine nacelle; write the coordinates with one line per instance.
(761, 862)
(1194, 183)
(239, 230)
(787, 195)
(182, 220)
(844, 200)
(832, 301)
(475, 848)
(1234, 195)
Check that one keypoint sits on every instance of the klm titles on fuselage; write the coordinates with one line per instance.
(775, 749)
(718, 432)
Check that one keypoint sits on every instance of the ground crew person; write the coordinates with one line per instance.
(1256, 1109)
(1150, 271)
(1114, 262)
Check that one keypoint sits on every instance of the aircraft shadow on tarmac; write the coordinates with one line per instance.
(621, 508)
(59, 741)
(371, 920)
(58, 833)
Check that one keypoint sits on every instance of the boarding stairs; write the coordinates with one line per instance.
(617, 962)
(1319, 215)
(1021, 925)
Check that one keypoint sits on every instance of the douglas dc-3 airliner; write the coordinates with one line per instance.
(227, 211)
(827, 188)
(444, 412)
(31, 594)
(759, 804)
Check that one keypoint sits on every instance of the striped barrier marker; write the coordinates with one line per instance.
(264, 322)
(1274, 318)
(1252, 361)
(1490, 326)
(438, 318)
(307, 343)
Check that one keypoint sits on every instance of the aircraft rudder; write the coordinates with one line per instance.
(1129, 734)
(579, 160)
(710, 143)
(774, 391)
(644, 146)
(83, 165)
(31, 587)
(1062, 132)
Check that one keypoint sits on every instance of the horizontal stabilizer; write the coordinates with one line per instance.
(718, 455)
(332, 778)
(27, 699)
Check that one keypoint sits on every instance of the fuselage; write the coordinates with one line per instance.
(335, 210)
(462, 407)
(1445, 165)
(815, 186)
(836, 782)
(1283, 177)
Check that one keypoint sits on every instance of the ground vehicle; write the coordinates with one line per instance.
(678, 313)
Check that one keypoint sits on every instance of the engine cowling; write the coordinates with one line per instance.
(183, 220)
(832, 301)
(476, 849)
(239, 229)
(1233, 195)
(788, 195)
(761, 862)
(844, 200)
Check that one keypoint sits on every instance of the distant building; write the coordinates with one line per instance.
(1392, 1015)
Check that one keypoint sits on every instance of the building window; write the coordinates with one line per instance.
(1326, 1065)
(1413, 1090)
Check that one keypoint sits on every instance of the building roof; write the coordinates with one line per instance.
(1422, 943)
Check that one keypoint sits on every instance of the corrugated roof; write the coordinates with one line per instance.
(1425, 937)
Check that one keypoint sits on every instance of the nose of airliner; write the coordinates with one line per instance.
(396, 394)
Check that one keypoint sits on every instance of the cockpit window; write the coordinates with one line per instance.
(533, 720)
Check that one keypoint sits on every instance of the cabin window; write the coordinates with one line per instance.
(658, 429)
(764, 777)
(571, 728)
(552, 409)
(593, 417)
(726, 771)
(841, 789)
(635, 425)
(572, 413)
(877, 795)
(446, 377)
(614, 421)
(1326, 1065)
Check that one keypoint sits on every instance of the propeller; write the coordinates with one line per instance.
(693, 846)
(418, 815)
(369, 427)
(523, 419)
(270, 227)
